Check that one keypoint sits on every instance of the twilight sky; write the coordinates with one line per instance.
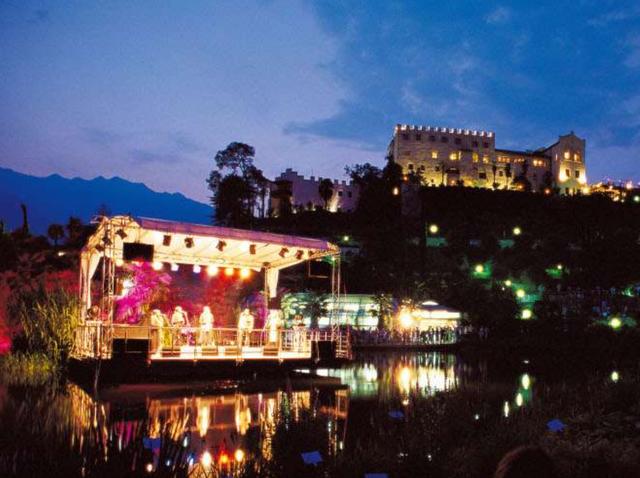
(150, 90)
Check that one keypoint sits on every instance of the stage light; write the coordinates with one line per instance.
(283, 252)
(228, 271)
(299, 254)
(196, 269)
(175, 267)
(221, 245)
(527, 314)
(166, 240)
(525, 381)
(239, 455)
(206, 459)
(149, 467)
(224, 459)
(615, 376)
(188, 241)
(245, 273)
(406, 320)
(252, 249)
(120, 233)
(212, 271)
(156, 265)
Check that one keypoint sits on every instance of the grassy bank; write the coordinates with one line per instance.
(27, 369)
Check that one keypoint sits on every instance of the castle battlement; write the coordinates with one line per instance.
(439, 129)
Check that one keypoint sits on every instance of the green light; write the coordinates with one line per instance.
(520, 293)
(517, 231)
(508, 283)
(526, 314)
(615, 376)
(636, 198)
(479, 269)
(559, 267)
(615, 323)
(433, 229)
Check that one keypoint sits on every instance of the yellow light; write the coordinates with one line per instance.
(433, 229)
(245, 273)
(239, 455)
(526, 314)
(615, 323)
(636, 198)
(508, 283)
(157, 266)
(119, 262)
(615, 376)
(149, 467)
(525, 381)
(212, 271)
(206, 459)
(406, 320)
(520, 293)
(224, 459)
(479, 269)
(519, 400)
(517, 231)
(228, 271)
(559, 267)
(345, 238)
(395, 191)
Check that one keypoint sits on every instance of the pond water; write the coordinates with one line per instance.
(230, 428)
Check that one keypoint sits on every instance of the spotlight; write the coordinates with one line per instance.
(120, 233)
(156, 265)
(221, 245)
(228, 271)
(245, 273)
(175, 267)
(166, 240)
(212, 271)
(252, 249)
(299, 254)
(188, 241)
(283, 252)
(196, 269)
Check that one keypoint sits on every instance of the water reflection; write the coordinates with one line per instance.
(385, 375)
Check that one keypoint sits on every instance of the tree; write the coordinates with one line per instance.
(75, 231)
(384, 310)
(25, 221)
(55, 233)
(317, 308)
(494, 170)
(325, 189)
(508, 174)
(235, 184)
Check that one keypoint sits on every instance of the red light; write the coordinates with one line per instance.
(224, 459)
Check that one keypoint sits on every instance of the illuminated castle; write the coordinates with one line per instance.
(452, 157)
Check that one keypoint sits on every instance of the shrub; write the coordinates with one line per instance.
(27, 369)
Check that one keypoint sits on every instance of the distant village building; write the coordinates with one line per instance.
(453, 156)
(304, 194)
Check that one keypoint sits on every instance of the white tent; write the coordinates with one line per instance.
(196, 244)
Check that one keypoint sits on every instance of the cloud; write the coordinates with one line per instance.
(100, 137)
(614, 16)
(498, 16)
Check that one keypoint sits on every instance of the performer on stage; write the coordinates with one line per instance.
(178, 320)
(157, 322)
(206, 326)
(245, 326)
(274, 322)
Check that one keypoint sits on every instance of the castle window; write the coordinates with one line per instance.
(410, 167)
(457, 141)
(418, 137)
(339, 194)
(444, 139)
(434, 155)
(454, 156)
(577, 174)
(485, 159)
(405, 136)
(567, 155)
(422, 168)
(475, 157)
(501, 173)
(475, 144)
(482, 175)
(568, 173)
(349, 194)
(485, 145)
(432, 138)
(576, 157)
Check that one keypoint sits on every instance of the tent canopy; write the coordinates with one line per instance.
(186, 243)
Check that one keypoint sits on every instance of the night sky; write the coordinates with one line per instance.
(150, 91)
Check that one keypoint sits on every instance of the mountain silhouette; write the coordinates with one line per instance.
(53, 199)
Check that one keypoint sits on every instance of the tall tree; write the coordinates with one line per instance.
(55, 233)
(325, 189)
(234, 184)
(75, 231)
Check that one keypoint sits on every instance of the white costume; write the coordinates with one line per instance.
(206, 325)
(179, 317)
(245, 326)
(274, 322)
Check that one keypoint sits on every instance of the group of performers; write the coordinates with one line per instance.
(180, 326)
